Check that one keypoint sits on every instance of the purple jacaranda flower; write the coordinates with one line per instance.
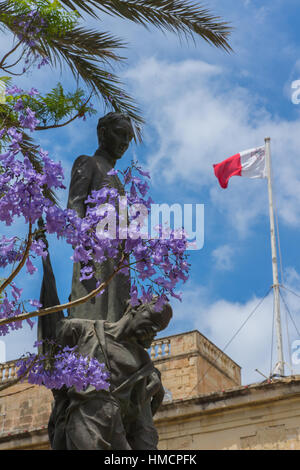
(44, 61)
(6, 245)
(160, 302)
(127, 176)
(146, 296)
(98, 254)
(143, 172)
(30, 268)
(68, 369)
(33, 92)
(112, 172)
(39, 248)
(28, 119)
(19, 105)
(16, 292)
(86, 273)
(14, 134)
(143, 187)
(134, 301)
(133, 193)
(35, 303)
(30, 322)
(14, 90)
(80, 254)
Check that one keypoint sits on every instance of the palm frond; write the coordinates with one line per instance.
(102, 83)
(85, 52)
(179, 16)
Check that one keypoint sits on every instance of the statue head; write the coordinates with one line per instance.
(115, 133)
(146, 322)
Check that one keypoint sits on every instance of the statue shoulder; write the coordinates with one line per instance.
(83, 163)
(69, 330)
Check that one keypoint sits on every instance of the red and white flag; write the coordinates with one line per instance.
(250, 163)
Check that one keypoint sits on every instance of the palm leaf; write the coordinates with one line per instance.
(85, 52)
(179, 16)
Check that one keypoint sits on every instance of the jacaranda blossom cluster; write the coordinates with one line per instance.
(156, 266)
(66, 368)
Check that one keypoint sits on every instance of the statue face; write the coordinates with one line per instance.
(147, 323)
(117, 137)
(143, 328)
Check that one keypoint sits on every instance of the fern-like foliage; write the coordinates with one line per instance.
(57, 106)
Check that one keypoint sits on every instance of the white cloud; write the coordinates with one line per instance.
(243, 330)
(223, 257)
(197, 118)
(20, 342)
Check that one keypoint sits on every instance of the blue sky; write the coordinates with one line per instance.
(201, 106)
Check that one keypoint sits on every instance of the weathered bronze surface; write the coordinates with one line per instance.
(105, 328)
(121, 418)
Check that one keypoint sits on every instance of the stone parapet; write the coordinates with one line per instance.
(191, 365)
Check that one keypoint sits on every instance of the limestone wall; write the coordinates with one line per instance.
(24, 414)
(259, 417)
(209, 407)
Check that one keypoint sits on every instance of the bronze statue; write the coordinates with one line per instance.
(90, 173)
(121, 418)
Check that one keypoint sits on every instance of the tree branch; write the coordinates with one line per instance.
(22, 262)
(54, 126)
(74, 303)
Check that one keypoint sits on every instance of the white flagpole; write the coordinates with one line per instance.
(280, 367)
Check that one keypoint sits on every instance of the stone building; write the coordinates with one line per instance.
(205, 407)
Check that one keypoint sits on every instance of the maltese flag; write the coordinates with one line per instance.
(250, 163)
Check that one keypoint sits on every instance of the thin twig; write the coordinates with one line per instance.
(74, 303)
(22, 262)
(54, 126)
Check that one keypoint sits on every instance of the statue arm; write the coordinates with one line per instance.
(81, 178)
(68, 332)
(155, 390)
